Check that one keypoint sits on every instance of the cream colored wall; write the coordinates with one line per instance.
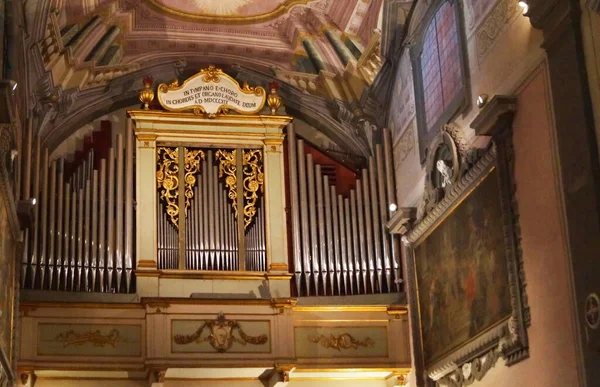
(41, 382)
(508, 60)
(590, 28)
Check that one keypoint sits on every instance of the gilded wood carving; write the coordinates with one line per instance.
(340, 342)
(221, 335)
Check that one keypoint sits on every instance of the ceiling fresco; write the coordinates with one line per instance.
(243, 11)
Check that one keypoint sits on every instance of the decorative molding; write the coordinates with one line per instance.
(221, 335)
(471, 371)
(493, 25)
(71, 337)
(495, 116)
(341, 342)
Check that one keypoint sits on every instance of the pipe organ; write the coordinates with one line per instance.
(340, 242)
(209, 236)
(82, 239)
(210, 204)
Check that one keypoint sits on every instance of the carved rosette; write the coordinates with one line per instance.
(253, 181)
(168, 181)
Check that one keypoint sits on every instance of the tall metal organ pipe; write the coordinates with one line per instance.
(340, 244)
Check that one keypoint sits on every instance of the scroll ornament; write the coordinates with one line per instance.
(339, 342)
(168, 181)
(221, 335)
(254, 179)
(71, 337)
(227, 166)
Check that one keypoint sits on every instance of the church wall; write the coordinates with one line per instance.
(505, 58)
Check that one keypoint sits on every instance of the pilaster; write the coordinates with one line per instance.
(577, 156)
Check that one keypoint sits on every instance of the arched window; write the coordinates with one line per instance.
(439, 69)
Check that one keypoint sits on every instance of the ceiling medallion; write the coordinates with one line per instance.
(226, 11)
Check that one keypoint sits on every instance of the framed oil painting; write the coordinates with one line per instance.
(464, 265)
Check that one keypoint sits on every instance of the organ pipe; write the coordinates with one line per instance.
(81, 223)
(340, 243)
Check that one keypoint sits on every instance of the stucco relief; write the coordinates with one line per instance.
(226, 8)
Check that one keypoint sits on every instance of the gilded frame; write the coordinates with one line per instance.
(507, 339)
(212, 74)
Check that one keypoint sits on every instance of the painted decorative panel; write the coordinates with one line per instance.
(89, 340)
(402, 107)
(329, 342)
(220, 335)
(476, 10)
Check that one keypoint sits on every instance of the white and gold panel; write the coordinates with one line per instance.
(337, 342)
(89, 340)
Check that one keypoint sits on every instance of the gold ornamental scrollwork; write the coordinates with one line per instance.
(168, 182)
(253, 181)
(97, 339)
(340, 342)
(227, 167)
(192, 160)
(212, 74)
(221, 335)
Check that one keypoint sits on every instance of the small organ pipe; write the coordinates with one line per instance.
(383, 209)
(160, 231)
(343, 268)
(205, 244)
(110, 214)
(36, 230)
(322, 228)
(87, 237)
(44, 223)
(336, 240)
(376, 224)
(102, 227)
(295, 206)
(66, 240)
(51, 223)
(349, 251)
(211, 206)
(119, 215)
(94, 235)
(389, 173)
(330, 243)
(128, 252)
(59, 222)
(355, 249)
(362, 236)
(79, 263)
(304, 215)
(314, 241)
(73, 255)
(369, 231)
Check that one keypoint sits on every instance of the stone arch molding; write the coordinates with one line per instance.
(58, 119)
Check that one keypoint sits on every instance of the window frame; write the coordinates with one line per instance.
(460, 102)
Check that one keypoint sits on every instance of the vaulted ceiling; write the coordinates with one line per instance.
(88, 57)
(264, 32)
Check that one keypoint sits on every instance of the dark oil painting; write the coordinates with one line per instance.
(462, 275)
